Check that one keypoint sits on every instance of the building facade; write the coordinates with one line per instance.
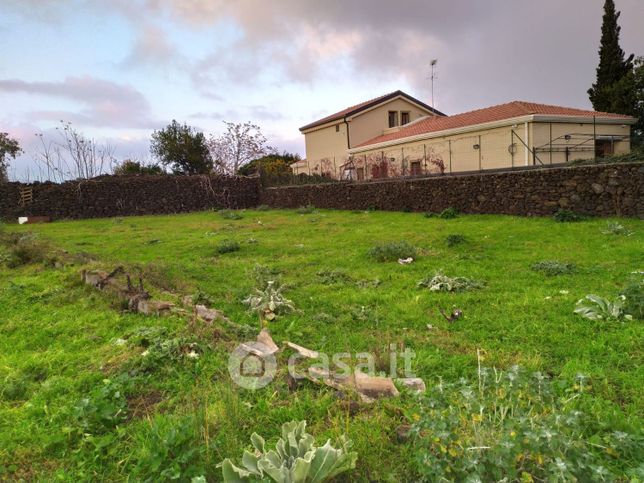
(508, 135)
(328, 140)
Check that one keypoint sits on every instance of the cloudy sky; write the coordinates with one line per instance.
(118, 69)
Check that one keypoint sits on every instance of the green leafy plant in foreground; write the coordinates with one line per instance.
(389, 252)
(594, 307)
(453, 240)
(448, 213)
(268, 303)
(227, 246)
(230, 215)
(172, 451)
(295, 459)
(518, 426)
(568, 216)
(103, 409)
(614, 228)
(443, 283)
(634, 298)
(306, 210)
(551, 268)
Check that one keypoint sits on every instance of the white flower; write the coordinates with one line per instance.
(145, 353)
(120, 342)
(564, 292)
(192, 355)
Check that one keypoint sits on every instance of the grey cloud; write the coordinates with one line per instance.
(104, 103)
(153, 48)
(488, 51)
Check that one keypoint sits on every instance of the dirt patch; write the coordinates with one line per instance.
(142, 405)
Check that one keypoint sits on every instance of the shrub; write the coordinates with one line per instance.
(453, 240)
(262, 274)
(13, 389)
(568, 216)
(448, 213)
(103, 409)
(227, 246)
(443, 283)
(172, 451)
(160, 349)
(23, 249)
(202, 298)
(330, 277)
(263, 208)
(634, 299)
(306, 210)
(614, 228)
(516, 426)
(296, 459)
(230, 215)
(388, 252)
(430, 214)
(551, 268)
(594, 307)
(268, 303)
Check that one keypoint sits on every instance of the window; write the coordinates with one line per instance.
(360, 173)
(337, 128)
(404, 118)
(415, 168)
(393, 118)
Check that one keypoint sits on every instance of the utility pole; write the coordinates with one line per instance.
(433, 76)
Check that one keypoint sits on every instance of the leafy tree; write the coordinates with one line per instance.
(638, 90)
(238, 146)
(132, 168)
(182, 148)
(612, 92)
(274, 164)
(9, 148)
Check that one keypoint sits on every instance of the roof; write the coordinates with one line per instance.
(363, 106)
(489, 114)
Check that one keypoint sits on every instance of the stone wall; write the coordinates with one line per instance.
(129, 195)
(601, 190)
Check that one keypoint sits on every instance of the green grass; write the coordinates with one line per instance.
(58, 337)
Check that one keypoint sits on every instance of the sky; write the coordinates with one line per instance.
(119, 69)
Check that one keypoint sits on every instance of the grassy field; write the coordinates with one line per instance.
(65, 366)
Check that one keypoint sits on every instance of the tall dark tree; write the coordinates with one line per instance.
(9, 148)
(182, 148)
(605, 94)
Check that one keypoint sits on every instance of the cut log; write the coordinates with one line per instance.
(303, 351)
(264, 337)
(375, 387)
(153, 307)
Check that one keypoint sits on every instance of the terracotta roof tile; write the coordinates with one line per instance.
(488, 114)
(365, 105)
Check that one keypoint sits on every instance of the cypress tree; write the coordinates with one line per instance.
(613, 67)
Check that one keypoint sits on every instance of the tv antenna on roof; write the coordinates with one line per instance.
(433, 76)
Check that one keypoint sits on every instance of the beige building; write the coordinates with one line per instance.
(328, 140)
(508, 135)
